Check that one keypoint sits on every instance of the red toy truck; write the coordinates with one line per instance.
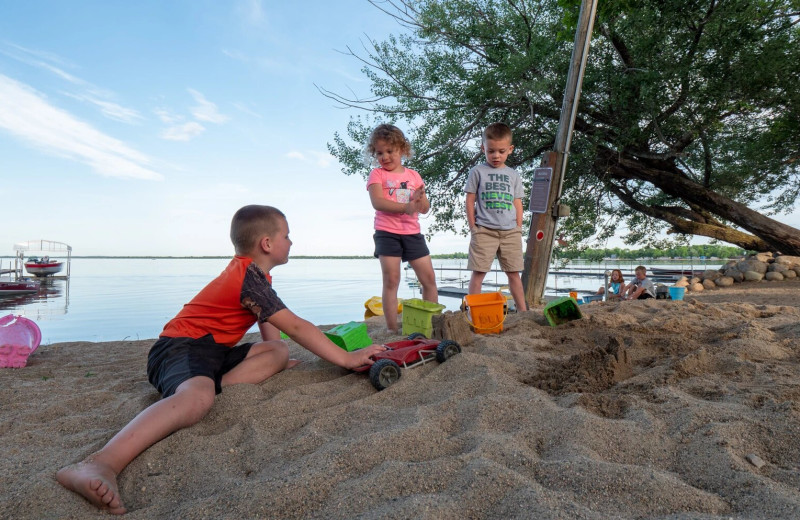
(408, 353)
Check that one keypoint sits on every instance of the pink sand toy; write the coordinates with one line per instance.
(19, 337)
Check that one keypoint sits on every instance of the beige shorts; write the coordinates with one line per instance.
(487, 243)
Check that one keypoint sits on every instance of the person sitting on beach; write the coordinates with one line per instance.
(196, 355)
(641, 288)
(615, 286)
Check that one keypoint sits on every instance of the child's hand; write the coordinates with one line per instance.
(418, 202)
(363, 356)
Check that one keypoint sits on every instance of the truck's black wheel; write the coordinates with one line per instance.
(384, 373)
(446, 349)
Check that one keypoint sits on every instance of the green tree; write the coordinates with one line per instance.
(689, 116)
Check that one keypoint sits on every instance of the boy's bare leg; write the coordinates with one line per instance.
(96, 477)
(423, 267)
(476, 282)
(390, 268)
(264, 359)
(517, 291)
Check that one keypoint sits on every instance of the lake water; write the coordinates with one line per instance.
(114, 299)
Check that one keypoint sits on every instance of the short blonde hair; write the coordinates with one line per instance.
(641, 268)
(497, 131)
(252, 222)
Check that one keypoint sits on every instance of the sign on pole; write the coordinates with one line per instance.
(540, 190)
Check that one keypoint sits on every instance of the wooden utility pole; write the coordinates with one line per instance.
(548, 180)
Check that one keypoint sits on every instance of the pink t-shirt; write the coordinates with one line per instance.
(398, 187)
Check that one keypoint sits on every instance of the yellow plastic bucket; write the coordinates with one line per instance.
(374, 307)
(486, 312)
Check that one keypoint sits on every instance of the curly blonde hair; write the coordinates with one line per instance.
(389, 134)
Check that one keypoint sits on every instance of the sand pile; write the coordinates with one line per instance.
(658, 409)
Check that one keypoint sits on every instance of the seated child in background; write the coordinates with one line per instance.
(641, 287)
(615, 286)
(494, 213)
(196, 354)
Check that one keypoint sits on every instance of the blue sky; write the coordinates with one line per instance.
(138, 128)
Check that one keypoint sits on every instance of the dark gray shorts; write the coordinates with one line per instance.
(407, 247)
(174, 360)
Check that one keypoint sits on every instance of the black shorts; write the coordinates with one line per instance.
(407, 247)
(644, 296)
(174, 360)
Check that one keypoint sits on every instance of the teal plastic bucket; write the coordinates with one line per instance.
(676, 293)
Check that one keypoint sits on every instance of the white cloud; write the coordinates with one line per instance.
(49, 56)
(94, 95)
(184, 132)
(110, 109)
(35, 58)
(26, 114)
(319, 159)
(206, 110)
(168, 117)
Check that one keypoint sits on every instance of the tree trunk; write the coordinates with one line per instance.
(779, 237)
(688, 223)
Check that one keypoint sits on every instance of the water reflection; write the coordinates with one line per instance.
(52, 299)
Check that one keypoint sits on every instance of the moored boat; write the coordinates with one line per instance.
(43, 266)
(14, 287)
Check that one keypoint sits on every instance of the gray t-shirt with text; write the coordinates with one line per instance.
(648, 285)
(495, 190)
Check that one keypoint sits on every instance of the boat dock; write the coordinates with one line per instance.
(454, 280)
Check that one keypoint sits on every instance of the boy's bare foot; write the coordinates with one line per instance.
(293, 363)
(96, 482)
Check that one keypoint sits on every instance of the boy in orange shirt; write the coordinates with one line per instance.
(196, 355)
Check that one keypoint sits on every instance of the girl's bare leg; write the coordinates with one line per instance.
(423, 267)
(390, 268)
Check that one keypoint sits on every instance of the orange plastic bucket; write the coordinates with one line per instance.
(486, 312)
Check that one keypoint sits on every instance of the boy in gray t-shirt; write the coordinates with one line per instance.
(494, 212)
(641, 287)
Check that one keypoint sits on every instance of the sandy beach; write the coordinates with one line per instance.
(649, 409)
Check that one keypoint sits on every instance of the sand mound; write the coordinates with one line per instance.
(640, 409)
(590, 371)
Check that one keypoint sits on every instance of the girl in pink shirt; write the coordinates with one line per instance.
(398, 196)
